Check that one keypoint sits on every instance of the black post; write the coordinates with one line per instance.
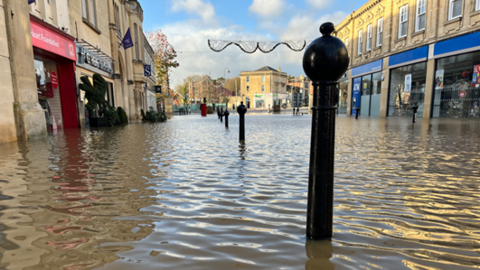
(414, 108)
(324, 62)
(358, 112)
(221, 115)
(226, 113)
(241, 109)
(293, 110)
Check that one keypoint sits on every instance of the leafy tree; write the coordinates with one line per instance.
(94, 93)
(164, 55)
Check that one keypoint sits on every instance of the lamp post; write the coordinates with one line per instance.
(324, 62)
(224, 78)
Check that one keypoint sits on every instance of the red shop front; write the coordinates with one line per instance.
(55, 56)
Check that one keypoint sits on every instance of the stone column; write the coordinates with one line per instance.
(29, 116)
(385, 87)
(349, 93)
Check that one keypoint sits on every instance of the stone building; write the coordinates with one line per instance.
(264, 87)
(48, 45)
(413, 51)
(149, 95)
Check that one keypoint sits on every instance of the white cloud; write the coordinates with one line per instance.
(307, 27)
(268, 8)
(205, 10)
(319, 4)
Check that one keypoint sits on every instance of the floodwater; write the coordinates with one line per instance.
(187, 195)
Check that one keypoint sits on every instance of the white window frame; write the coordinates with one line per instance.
(346, 41)
(360, 42)
(248, 79)
(402, 16)
(84, 9)
(420, 13)
(450, 9)
(369, 37)
(93, 18)
(379, 32)
(263, 78)
(477, 5)
(263, 88)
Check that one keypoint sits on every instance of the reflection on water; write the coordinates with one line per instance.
(187, 194)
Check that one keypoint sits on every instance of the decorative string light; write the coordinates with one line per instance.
(253, 46)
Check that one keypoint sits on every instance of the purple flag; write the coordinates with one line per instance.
(127, 40)
(31, 1)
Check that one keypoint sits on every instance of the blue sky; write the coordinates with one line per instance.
(188, 25)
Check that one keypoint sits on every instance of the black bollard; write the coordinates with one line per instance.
(226, 113)
(293, 110)
(221, 115)
(414, 108)
(241, 112)
(324, 62)
(358, 112)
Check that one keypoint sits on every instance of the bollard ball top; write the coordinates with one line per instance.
(326, 58)
(241, 109)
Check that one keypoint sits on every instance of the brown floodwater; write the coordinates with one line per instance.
(187, 195)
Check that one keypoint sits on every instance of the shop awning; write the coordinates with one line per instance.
(97, 50)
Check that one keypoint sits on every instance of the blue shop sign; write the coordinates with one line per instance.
(367, 68)
(356, 94)
(463, 44)
(409, 57)
(147, 70)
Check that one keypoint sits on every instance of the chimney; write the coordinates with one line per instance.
(279, 69)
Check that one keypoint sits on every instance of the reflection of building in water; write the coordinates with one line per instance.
(76, 200)
(400, 54)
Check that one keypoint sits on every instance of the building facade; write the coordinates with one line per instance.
(59, 42)
(264, 87)
(149, 94)
(405, 52)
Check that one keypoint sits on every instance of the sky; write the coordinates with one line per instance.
(189, 24)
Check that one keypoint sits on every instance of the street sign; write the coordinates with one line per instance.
(147, 70)
(158, 89)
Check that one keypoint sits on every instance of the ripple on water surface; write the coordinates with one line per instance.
(187, 195)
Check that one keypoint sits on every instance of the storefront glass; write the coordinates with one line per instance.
(457, 86)
(370, 91)
(407, 86)
(342, 95)
(48, 90)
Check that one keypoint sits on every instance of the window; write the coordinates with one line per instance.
(379, 32)
(117, 19)
(92, 12)
(263, 78)
(84, 9)
(420, 21)
(248, 88)
(263, 88)
(346, 43)
(135, 31)
(360, 41)
(369, 37)
(403, 21)
(477, 5)
(248, 80)
(455, 9)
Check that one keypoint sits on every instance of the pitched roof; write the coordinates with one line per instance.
(266, 68)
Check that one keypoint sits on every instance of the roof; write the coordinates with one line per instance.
(266, 68)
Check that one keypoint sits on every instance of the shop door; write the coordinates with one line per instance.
(356, 95)
(366, 95)
(376, 94)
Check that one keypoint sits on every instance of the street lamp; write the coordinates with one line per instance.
(224, 78)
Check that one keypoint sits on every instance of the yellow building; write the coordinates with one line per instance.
(264, 87)
(406, 52)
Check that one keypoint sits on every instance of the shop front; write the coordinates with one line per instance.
(457, 78)
(366, 88)
(408, 73)
(259, 100)
(343, 94)
(54, 60)
(92, 61)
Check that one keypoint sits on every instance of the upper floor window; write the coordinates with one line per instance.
(263, 88)
(248, 88)
(477, 5)
(360, 42)
(455, 9)
(421, 10)
(88, 11)
(263, 78)
(346, 41)
(369, 37)
(379, 32)
(403, 21)
(135, 30)
(248, 80)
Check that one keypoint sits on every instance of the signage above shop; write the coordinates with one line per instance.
(408, 57)
(367, 68)
(48, 40)
(462, 44)
(158, 89)
(147, 70)
(88, 57)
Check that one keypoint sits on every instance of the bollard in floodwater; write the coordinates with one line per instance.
(358, 112)
(241, 112)
(324, 62)
(293, 110)
(221, 115)
(226, 113)
(414, 108)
